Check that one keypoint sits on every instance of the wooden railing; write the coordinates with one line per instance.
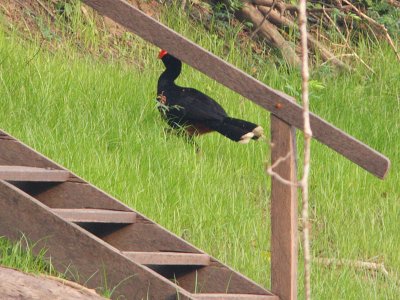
(286, 115)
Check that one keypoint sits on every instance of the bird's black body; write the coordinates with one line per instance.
(194, 111)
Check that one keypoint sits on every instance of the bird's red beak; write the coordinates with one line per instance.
(162, 54)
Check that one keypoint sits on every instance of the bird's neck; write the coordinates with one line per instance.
(168, 77)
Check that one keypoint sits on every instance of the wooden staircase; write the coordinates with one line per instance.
(96, 240)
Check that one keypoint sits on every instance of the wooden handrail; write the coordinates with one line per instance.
(278, 103)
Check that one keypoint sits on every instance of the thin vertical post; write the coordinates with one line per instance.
(283, 211)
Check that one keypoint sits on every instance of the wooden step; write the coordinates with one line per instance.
(21, 173)
(86, 215)
(234, 297)
(168, 258)
(41, 212)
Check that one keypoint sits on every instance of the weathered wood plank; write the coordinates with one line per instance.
(217, 278)
(55, 195)
(14, 153)
(95, 215)
(234, 297)
(140, 237)
(168, 258)
(70, 195)
(22, 173)
(143, 235)
(275, 101)
(283, 212)
(213, 278)
(74, 251)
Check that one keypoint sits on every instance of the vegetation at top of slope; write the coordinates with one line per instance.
(98, 118)
(383, 11)
(334, 27)
(335, 30)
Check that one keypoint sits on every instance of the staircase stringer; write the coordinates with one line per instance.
(69, 247)
(75, 193)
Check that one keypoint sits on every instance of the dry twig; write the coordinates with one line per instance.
(394, 3)
(46, 9)
(377, 25)
(272, 173)
(346, 42)
(303, 183)
(281, 21)
(307, 146)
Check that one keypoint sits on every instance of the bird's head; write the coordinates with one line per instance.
(169, 61)
(162, 53)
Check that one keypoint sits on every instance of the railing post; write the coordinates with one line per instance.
(283, 212)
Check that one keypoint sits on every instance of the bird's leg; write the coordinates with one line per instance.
(181, 132)
(191, 141)
(189, 138)
(169, 130)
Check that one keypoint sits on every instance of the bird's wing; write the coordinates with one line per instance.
(192, 104)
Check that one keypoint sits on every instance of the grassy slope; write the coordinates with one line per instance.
(99, 119)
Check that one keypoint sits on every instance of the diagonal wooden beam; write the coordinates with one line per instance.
(278, 103)
(45, 212)
(74, 251)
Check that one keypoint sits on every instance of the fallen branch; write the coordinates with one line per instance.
(282, 6)
(275, 18)
(183, 5)
(379, 267)
(262, 22)
(394, 3)
(326, 55)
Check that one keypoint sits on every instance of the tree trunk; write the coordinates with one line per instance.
(268, 31)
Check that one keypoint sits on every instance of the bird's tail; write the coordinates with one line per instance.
(238, 130)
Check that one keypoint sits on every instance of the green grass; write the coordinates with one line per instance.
(99, 119)
(24, 256)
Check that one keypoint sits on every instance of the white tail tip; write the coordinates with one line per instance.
(244, 139)
(258, 131)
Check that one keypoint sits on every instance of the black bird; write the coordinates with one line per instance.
(195, 112)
